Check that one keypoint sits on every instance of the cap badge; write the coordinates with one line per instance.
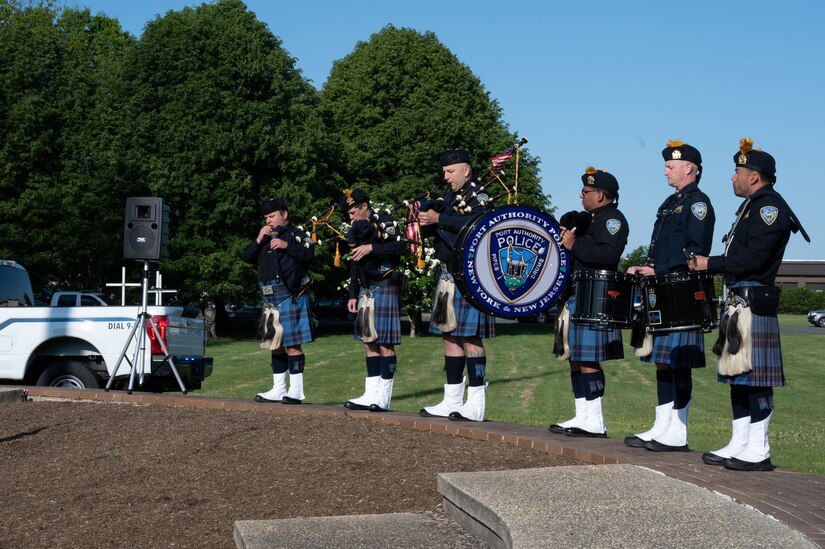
(348, 194)
(676, 154)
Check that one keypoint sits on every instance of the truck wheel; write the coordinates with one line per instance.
(70, 374)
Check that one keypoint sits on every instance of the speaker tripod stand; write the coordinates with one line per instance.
(139, 335)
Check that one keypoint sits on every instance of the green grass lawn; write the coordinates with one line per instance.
(528, 385)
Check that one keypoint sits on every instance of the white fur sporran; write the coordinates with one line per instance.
(647, 347)
(273, 331)
(736, 359)
(563, 333)
(365, 319)
(444, 310)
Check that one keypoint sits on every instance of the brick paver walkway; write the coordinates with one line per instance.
(797, 499)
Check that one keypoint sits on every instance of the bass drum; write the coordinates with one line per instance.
(508, 263)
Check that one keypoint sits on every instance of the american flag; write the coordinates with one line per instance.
(498, 162)
(413, 226)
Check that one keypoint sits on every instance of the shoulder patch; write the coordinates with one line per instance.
(769, 214)
(613, 226)
(700, 210)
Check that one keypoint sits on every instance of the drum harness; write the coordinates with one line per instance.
(660, 220)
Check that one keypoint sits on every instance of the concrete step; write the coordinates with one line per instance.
(397, 530)
(604, 506)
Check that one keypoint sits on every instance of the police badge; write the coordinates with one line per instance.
(700, 210)
(508, 262)
(769, 214)
(613, 226)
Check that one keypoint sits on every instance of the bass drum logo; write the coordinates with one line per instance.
(508, 262)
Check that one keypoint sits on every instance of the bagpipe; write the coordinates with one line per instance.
(475, 195)
(473, 199)
(380, 226)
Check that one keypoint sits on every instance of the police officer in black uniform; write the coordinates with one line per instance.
(283, 256)
(375, 294)
(684, 226)
(596, 241)
(754, 248)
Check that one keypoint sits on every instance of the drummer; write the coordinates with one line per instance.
(596, 240)
(754, 249)
(683, 227)
(462, 327)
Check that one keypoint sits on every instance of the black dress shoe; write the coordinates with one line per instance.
(655, 446)
(290, 400)
(577, 432)
(353, 406)
(377, 408)
(739, 465)
(556, 428)
(712, 459)
(455, 416)
(635, 442)
(259, 398)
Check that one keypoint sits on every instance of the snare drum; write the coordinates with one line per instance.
(679, 301)
(604, 299)
(507, 262)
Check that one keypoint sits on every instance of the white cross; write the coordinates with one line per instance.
(158, 289)
(123, 284)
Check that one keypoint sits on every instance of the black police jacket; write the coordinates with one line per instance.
(601, 247)
(684, 225)
(756, 244)
(382, 261)
(290, 266)
(450, 223)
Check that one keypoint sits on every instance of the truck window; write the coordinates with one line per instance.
(66, 301)
(15, 288)
(89, 301)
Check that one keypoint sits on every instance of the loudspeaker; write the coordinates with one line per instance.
(146, 229)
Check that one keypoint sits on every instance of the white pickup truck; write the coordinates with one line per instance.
(80, 346)
(78, 299)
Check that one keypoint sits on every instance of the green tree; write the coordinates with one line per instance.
(219, 119)
(633, 258)
(56, 216)
(402, 97)
(398, 100)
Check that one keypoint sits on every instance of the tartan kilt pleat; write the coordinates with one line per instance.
(470, 322)
(766, 357)
(295, 317)
(684, 349)
(593, 345)
(387, 315)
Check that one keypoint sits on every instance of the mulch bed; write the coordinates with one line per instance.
(80, 474)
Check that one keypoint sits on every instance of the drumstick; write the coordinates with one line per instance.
(691, 256)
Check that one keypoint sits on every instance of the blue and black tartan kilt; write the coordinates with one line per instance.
(683, 349)
(766, 355)
(593, 345)
(295, 316)
(387, 315)
(470, 322)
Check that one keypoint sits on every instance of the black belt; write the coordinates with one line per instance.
(763, 300)
(743, 291)
(391, 281)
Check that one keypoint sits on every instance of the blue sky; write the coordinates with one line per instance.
(607, 84)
